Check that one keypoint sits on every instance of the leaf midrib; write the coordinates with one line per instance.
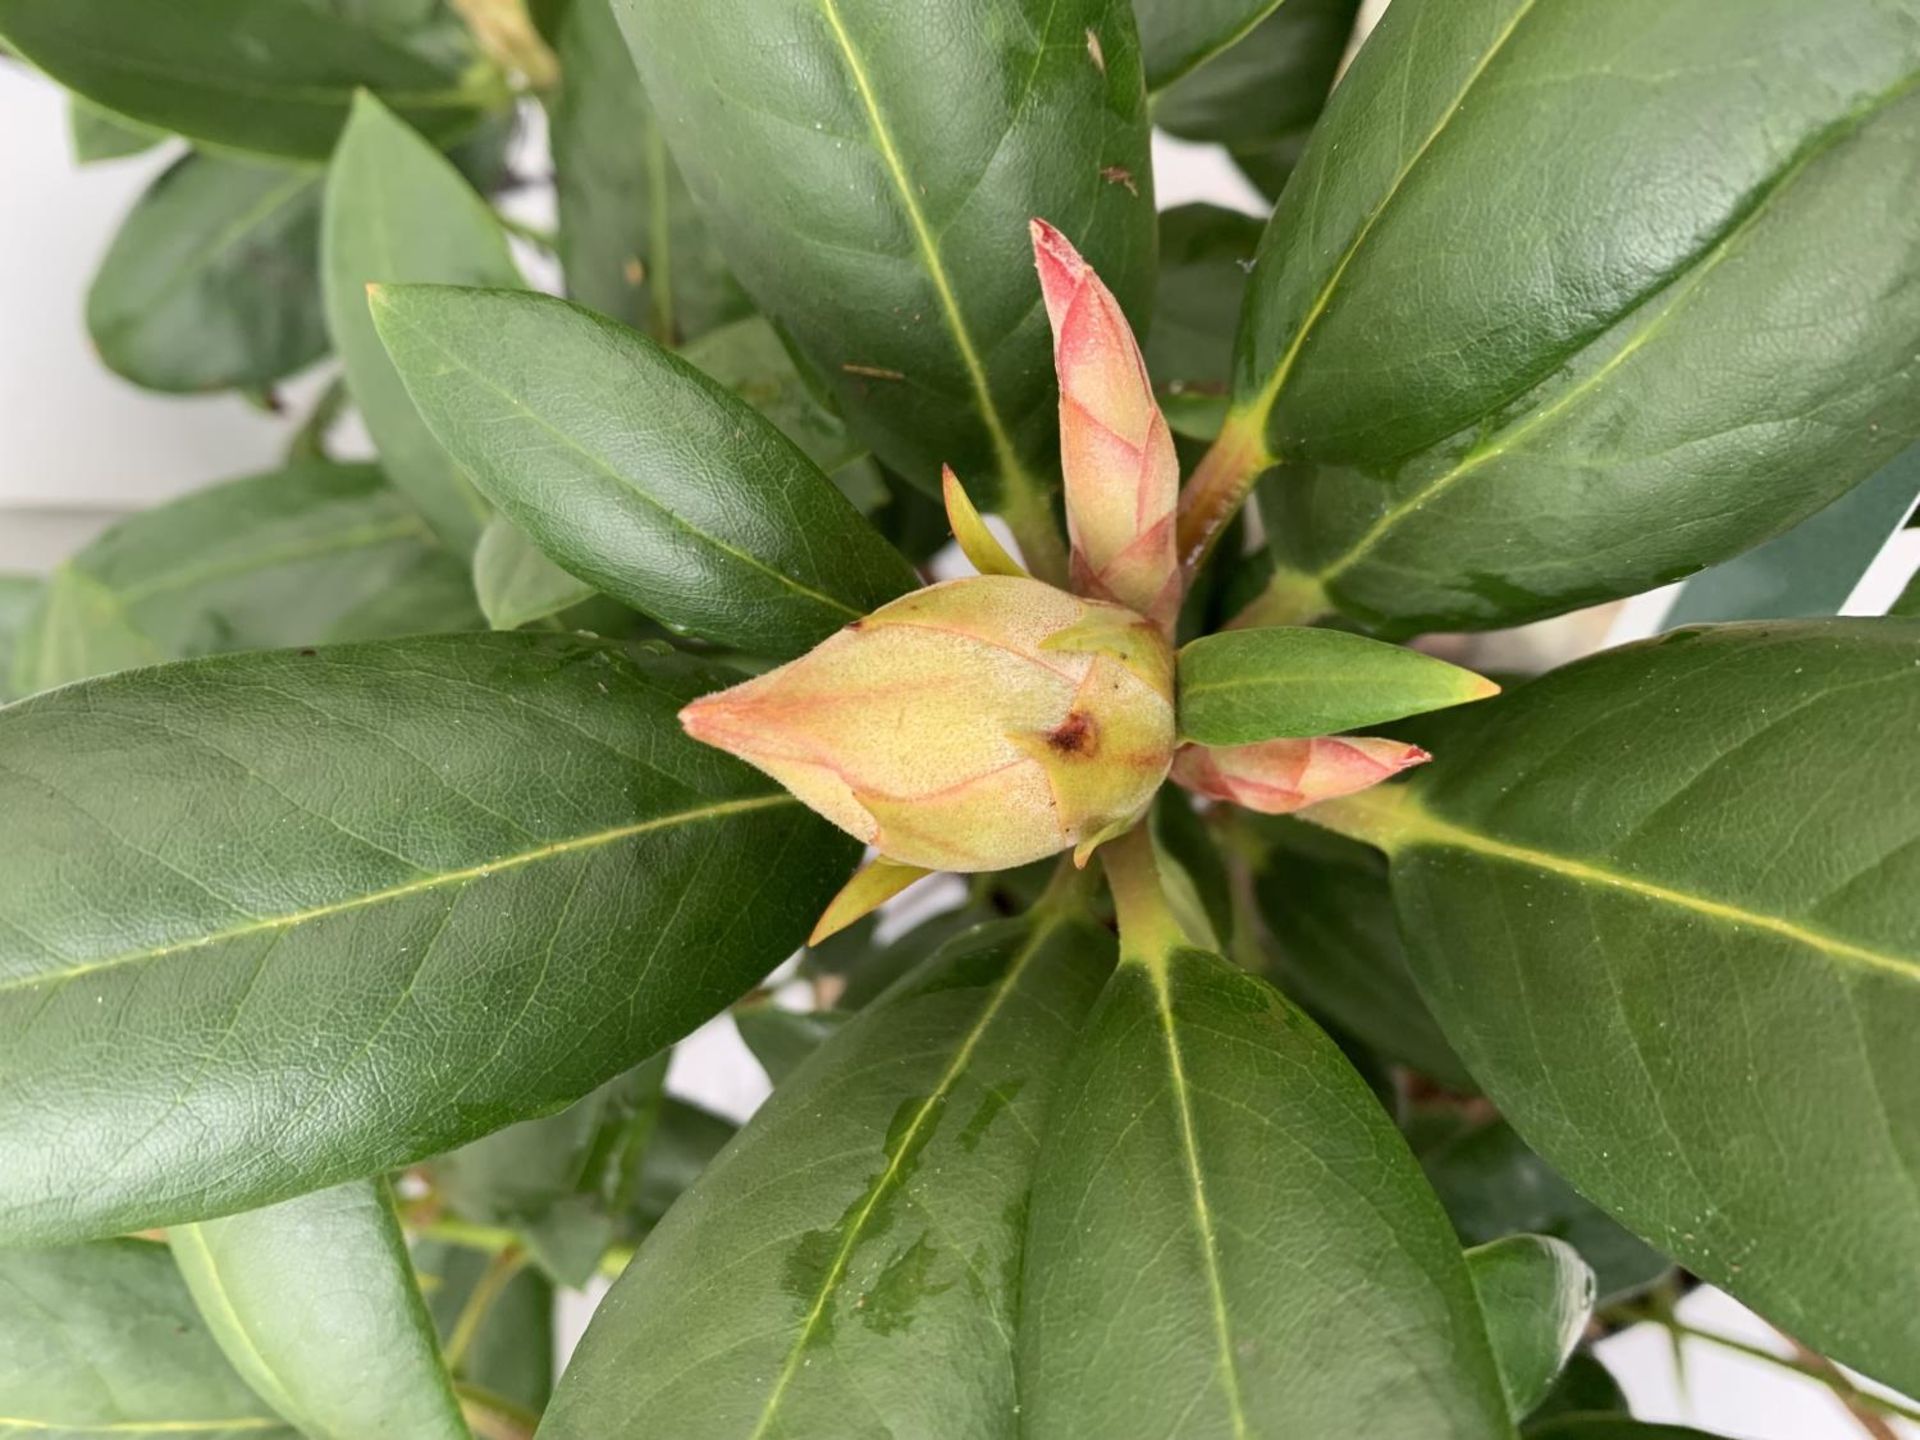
(282, 1399)
(1042, 931)
(1159, 977)
(146, 1427)
(426, 884)
(1410, 826)
(1014, 475)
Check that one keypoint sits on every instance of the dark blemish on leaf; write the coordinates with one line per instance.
(1075, 735)
(992, 1103)
(888, 1304)
(1120, 175)
(1093, 49)
(872, 372)
(309, 650)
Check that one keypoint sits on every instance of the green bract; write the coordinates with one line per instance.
(1371, 1038)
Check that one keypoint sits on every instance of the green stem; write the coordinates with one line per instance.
(1149, 931)
(494, 1279)
(309, 442)
(494, 1417)
(466, 1235)
(1815, 1368)
(546, 240)
(1220, 485)
(1029, 515)
(1291, 598)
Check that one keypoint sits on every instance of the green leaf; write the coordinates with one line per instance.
(749, 359)
(313, 553)
(1204, 252)
(103, 1340)
(213, 282)
(274, 77)
(567, 1179)
(1813, 568)
(397, 210)
(635, 471)
(1537, 1296)
(1663, 903)
(829, 1251)
(1494, 1186)
(511, 1352)
(1337, 949)
(1229, 1239)
(314, 1302)
(631, 244)
(275, 920)
(99, 134)
(1261, 97)
(1243, 686)
(516, 583)
(869, 174)
(19, 595)
(780, 1039)
(1178, 35)
(1527, 427)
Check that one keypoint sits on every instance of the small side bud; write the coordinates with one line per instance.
(1277, 777)
(979, 544)
(1116, 452)
(947, 733)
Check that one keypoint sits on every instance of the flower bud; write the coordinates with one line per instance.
(1116, 452)
(1277, 777)
(974, 725)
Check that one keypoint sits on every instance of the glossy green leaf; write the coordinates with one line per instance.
(780, 1039)
(271, 76)
(1261, 97)
(566, 1180)
(1229, 1239)
(314, 1302)
(850, 1264)
(1494, 1186)
(1814, 567)
(306, 555)
(635, 471)
(213, 281)
(99, 134)
(103, 1340)
(397, 210)
(631, 243)
(511, 1352)
(1204, 252)
(1337, 947)
(1178, 35)
(1666, 905)
(274, 920)
(749, 359)
(1537, 1296)
(1242, 686)
(1644, 346)
(516, 583)
(19, 596)
(869, 170)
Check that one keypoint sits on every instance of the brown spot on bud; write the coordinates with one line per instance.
(1075, 735)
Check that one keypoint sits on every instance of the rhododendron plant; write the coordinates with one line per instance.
(1023, 813)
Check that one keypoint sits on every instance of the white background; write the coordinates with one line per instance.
(79, 446)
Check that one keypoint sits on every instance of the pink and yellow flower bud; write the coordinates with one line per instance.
(1277, 777)
(1116, 452)
(974, 725)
